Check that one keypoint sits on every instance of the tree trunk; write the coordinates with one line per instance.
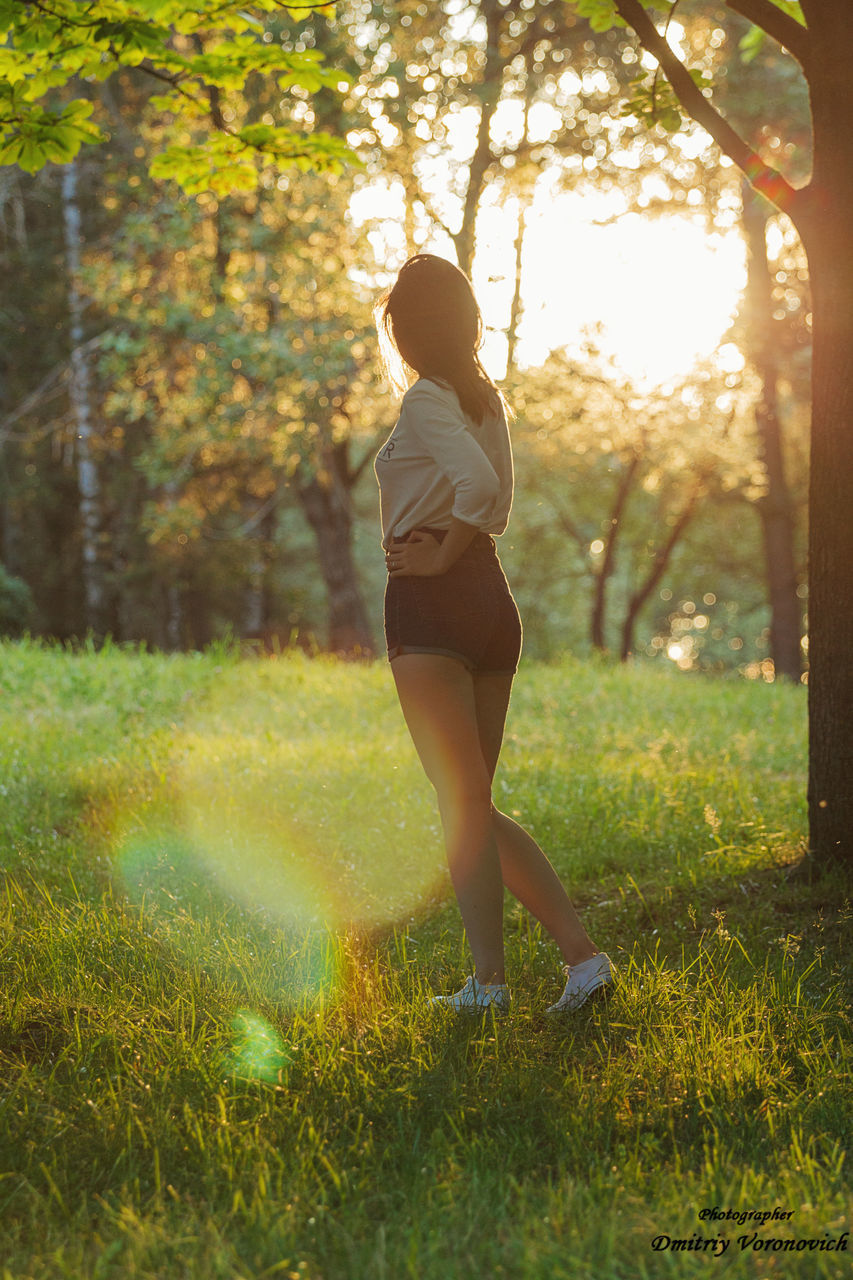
(10, 540)
(775, 509)
(491, 85)
(326, 502)
(80, 390)
(599, 604)
(173, 585)
(524, 205)
(256, 618)
(515, 308)
(830, 249)
(658, 569)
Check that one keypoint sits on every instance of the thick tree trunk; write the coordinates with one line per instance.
(326, 502)
(80, 389)
(775, 509)
(830, 248)
(599, 599)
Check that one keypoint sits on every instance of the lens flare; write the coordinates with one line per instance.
(258, 1052)
(281, 819)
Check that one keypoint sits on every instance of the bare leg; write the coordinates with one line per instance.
(526, 871)
(437, 697)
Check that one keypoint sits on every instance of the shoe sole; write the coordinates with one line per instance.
(600, 992)
(470, 1010)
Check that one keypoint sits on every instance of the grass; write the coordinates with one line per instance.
(225, 901)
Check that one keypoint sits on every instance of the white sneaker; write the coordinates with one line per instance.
(582, 980)
(475, 997)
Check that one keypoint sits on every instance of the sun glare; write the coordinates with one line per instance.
(654, 294)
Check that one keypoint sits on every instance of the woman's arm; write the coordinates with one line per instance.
(423, 556)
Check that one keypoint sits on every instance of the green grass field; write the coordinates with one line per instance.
(225, 903)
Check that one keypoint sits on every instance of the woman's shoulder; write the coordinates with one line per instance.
(430, 388)
(428, 395)
(431, 393)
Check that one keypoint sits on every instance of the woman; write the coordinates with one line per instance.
(452, 627)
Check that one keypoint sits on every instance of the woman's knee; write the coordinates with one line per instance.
(465, 793)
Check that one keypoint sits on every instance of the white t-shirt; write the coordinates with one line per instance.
(438, 464)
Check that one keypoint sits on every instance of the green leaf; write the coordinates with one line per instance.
(751, 44)
(793, 9)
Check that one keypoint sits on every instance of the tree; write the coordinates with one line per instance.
(624, 474)
(53, 51)
(212, 133)
(816, 33)
(686, 171)
(464, 84)
(238, 382)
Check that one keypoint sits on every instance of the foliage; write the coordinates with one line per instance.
(17, 610)
(583, 439)
(603, 14)
(56, 54)
(232, 374)
(651, 98)
(233, 354)
(224, 906)
(430, 74)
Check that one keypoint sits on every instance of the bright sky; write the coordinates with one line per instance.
(662, 289)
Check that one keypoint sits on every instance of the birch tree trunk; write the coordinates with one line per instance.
(80, 392)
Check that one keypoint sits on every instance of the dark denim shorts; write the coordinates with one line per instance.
(466, 613)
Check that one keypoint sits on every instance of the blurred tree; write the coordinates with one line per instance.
(677, 171)
(235, 361)
(775, 506)
(816, 34)
(192, 437)
(38, 483)
(624, 474)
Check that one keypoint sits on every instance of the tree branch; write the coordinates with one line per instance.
(46, 390)
(778, 25)
(659, 565)
(765, 180)
(433, 214)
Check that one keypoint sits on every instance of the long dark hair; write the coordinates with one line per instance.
(429, 322)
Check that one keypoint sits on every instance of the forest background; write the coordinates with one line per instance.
(191, 402)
